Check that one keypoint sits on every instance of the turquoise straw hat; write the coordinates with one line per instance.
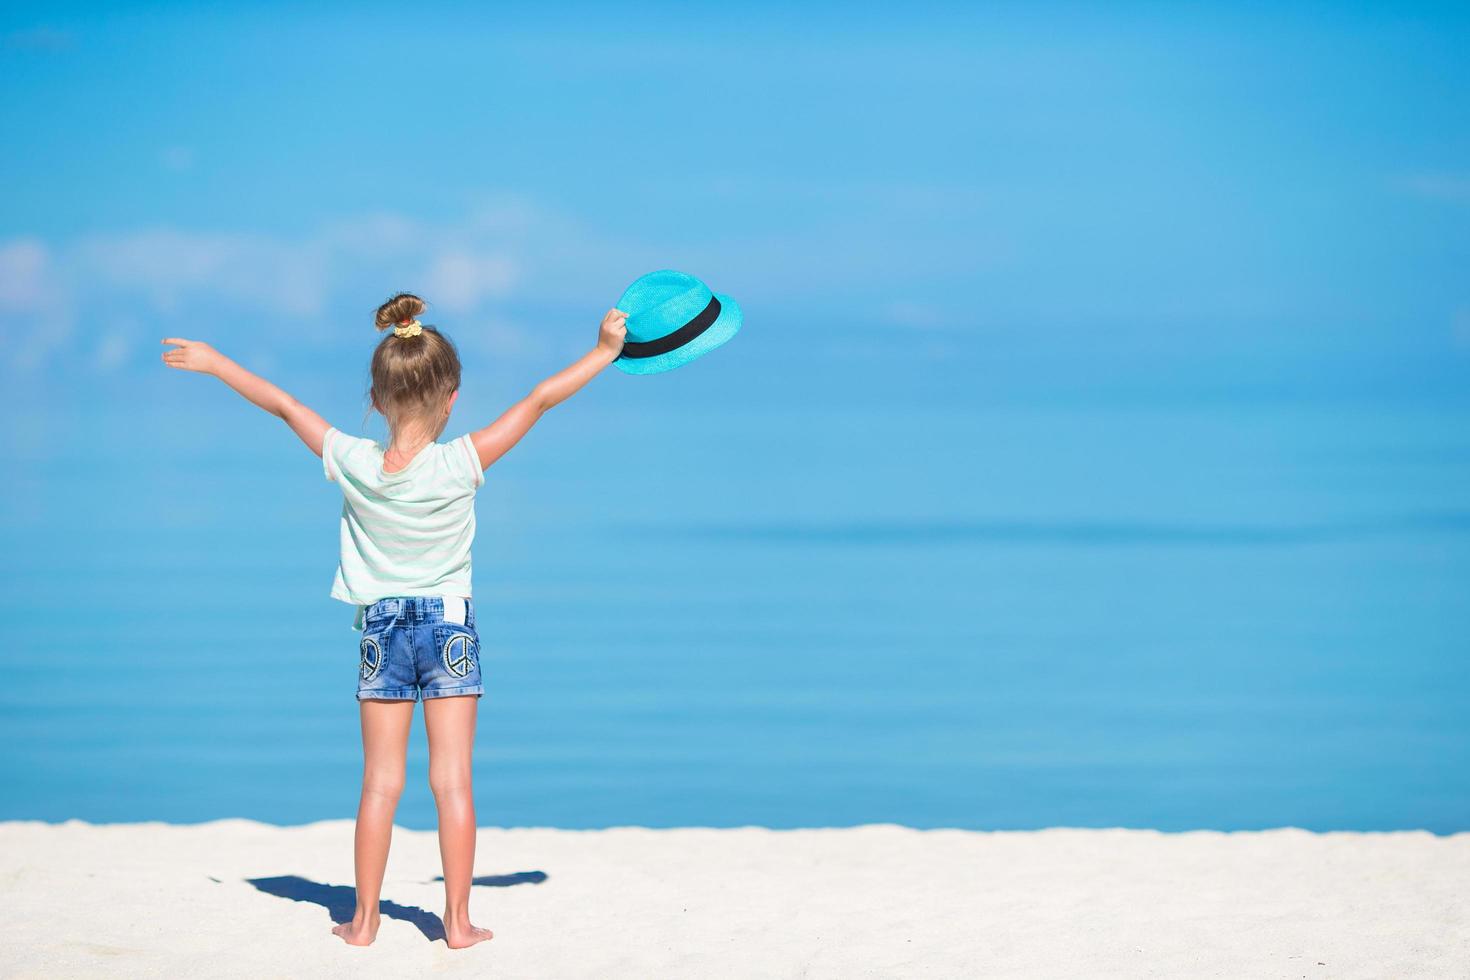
(672, 319)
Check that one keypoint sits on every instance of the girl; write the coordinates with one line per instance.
(407, 524)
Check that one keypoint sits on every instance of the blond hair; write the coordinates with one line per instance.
(412, 377)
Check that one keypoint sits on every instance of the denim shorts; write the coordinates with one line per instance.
(409, 650)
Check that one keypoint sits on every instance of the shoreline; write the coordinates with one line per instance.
(880, 824)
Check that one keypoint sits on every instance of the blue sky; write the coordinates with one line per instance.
(1017, 201)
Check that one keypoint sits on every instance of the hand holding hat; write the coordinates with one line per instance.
(610, 334)
(671, 319)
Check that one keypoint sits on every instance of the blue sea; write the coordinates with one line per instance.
(1214, 614)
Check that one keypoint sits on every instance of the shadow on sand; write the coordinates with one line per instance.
(340, 901)
(505, 881)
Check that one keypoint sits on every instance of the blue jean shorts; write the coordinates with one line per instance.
(410, 650)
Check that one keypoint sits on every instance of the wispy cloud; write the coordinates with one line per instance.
(36, 309)
(920, 198)
(1453, 188)
(24, 270)
(502, 338)
(177, 158)
(462, 280)
(166, 267)
(38, 39)
(912, 315)
(465, 268)
(112, 352)
(1460, 330)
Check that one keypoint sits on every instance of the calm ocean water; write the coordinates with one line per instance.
(1188, 617)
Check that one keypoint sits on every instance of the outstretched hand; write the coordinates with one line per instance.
(191, 355)
(610, 335)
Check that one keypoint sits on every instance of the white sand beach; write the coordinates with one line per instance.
(239, 898)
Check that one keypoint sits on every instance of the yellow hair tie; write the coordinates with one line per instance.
(409, 330)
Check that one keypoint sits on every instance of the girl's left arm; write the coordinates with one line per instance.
(196, 355)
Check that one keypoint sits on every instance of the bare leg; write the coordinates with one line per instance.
(385, 726)
(450, 723)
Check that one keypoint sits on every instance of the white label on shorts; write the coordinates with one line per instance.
(454, 609)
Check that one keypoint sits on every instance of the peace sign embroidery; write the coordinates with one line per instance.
(372, 658)
(458, 653)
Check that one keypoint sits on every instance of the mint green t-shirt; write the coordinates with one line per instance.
(403, 533)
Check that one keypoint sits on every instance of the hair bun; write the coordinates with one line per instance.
(400, 308)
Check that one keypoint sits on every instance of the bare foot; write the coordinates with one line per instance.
(358, 932)
(458, 935)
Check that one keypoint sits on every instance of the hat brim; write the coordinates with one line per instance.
(724, 327)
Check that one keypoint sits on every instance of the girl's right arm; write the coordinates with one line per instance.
(496, 439)
(196, 355)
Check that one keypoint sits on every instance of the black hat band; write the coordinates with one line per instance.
(677, 339)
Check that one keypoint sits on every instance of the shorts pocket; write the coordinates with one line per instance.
(370, 654)
(459, 649)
